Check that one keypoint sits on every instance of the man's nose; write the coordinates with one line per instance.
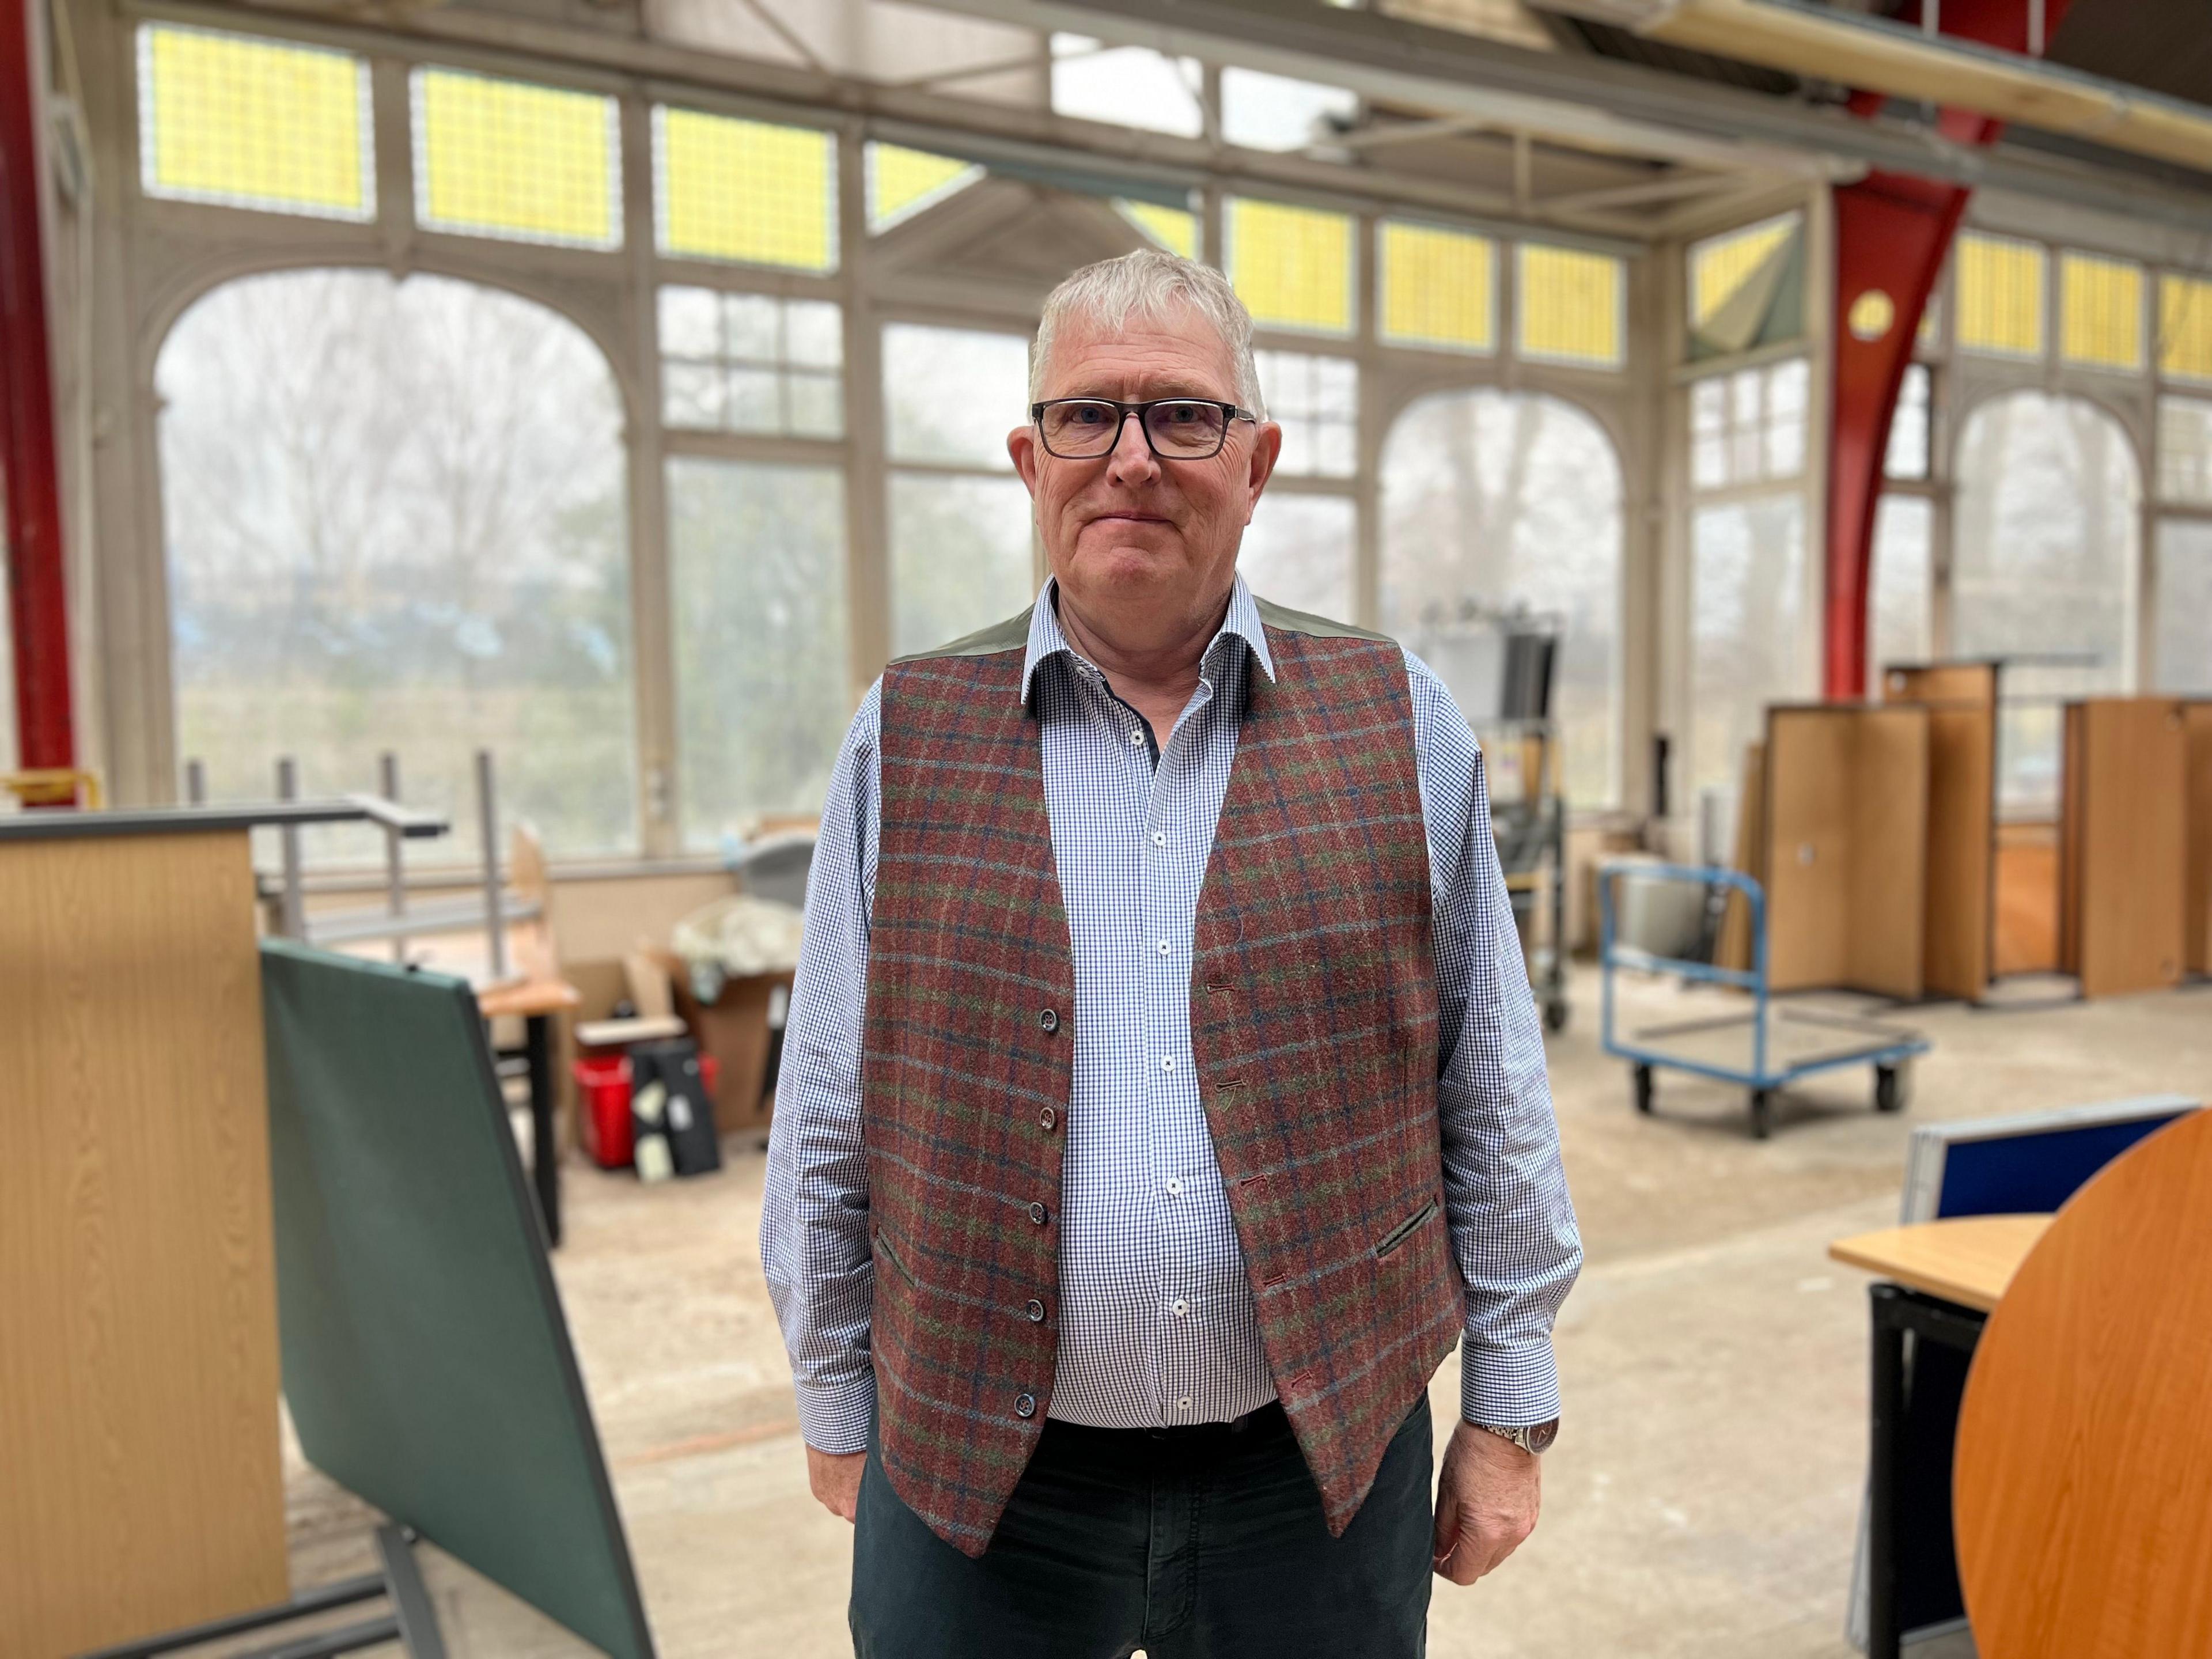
(1132, 452)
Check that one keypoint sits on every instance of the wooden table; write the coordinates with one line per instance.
(537, 1003)
(1940, 1281)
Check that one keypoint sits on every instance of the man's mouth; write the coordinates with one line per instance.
(1129, 515)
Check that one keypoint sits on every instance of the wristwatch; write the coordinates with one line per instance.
(1536, 1438)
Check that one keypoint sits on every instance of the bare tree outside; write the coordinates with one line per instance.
(394, 515)
(1494, 502)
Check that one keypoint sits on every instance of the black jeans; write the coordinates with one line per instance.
(1205, 1542)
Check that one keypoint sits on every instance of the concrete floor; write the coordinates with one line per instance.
(1703, 1498)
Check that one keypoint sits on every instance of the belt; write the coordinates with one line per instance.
(1262, 1420)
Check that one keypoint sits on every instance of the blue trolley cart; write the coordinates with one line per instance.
(1765, 1048)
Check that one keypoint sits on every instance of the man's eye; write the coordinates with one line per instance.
(1183, 414)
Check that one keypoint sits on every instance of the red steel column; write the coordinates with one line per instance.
(37, 602)
(1893, 231)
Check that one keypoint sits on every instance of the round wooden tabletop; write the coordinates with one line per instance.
(2082, 1484)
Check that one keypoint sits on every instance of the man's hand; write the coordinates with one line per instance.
(1487, 1502)
(836, 1478)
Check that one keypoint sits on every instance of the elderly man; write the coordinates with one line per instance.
(1163, 1095)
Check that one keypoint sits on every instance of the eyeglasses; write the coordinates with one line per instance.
(1177, 428)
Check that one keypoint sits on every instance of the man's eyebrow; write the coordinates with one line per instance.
(1167, 389)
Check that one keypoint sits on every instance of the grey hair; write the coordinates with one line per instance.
(1147, 284)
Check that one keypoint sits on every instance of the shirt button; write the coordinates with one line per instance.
(1037, 1214)
(1037, 1311)
(1136, 738)
(1047, 1118)
(1183, 1404)
(1174, 1189)
(1048, 1021)
(1026, 1404)
(1163, 947)
(1159, 837)
(1167, 1062)
(1179, 1307)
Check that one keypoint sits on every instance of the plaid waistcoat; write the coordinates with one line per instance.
(1313, 1027)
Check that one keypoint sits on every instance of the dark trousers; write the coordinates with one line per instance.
(1205, 1542)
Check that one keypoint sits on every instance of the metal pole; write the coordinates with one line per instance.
(194, 783)
(295, 918)
(488, 826)
(395, 872)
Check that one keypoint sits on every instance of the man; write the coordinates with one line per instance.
(1162, 1094)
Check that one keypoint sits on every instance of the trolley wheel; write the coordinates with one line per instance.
(1644, 1089)
(1891, 1089)
(1555, 1015)
(1762, 1114)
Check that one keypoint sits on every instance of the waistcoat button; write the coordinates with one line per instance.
(1037, 1214)
(1047, 1118)
(1037, 1311)
(1048, 1021)
(1025, 1406)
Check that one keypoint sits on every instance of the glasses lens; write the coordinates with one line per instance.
(1077, 427)
(1185, 429)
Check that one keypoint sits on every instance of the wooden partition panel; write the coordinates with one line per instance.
(1887, 932)
(1961, 699)
(139, 1481)
(2027, 941)
(2126, 863)
(2196, 953)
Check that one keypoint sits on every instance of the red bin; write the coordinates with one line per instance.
(602, 1089)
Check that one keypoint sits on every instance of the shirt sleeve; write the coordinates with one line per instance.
(1505, 1192)
(814, 1211)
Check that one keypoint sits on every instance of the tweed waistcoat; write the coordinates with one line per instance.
(1313, 1029)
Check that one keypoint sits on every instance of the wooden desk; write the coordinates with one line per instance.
(1940, 1281)
(537, 1003)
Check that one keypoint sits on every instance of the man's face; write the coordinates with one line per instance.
(1130, 526)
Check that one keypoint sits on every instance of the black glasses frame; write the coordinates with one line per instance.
(1143, 412)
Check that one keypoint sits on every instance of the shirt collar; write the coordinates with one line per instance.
(1046, 641)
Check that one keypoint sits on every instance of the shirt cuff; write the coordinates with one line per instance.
(1513, 1386)
(835, 1416)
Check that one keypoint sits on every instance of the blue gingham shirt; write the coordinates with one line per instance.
(1157, 1325)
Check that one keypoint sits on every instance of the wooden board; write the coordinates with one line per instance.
(2026, 935)
(1808, 857)
(1968, 1260)
(138, 1371)
(2196, 953)
(1960, 923)
(1885, 930)
(2073, 801)
(2082, 1481)
(1733, 947)
(2125, 858)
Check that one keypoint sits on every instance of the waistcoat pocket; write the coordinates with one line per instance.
(1404, 1231)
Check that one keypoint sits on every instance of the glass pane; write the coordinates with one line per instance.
(2185, 607)
(2000, 296)
(420, 546)
(904, 182)
(1709, 407)
(507, 159)
(1292, 265)
(2045, 549)
(1907, 456)
(744, 190)
(1438, 287)
(1495, 500)
(253, 124)
(755, 400)
(763, 692)
(690, 323)
(1175, 229)
(1274, 111)
(1128, 86)
(814, 333)
(1747, 613)
(952, 394)
(2102, 321)
(691, 395)
(1297, 552)
(1721, 265)
(1570, 304)
(752, 327)
(1897, 618)
(2184, 328)
(960, 557)
(1709, 458)
(2184, 450)
(816, 406)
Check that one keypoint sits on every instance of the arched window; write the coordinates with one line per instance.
(1497, 501)
(394, 516)
(2044, 542)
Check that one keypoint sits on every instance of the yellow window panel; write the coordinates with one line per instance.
(507, 159)
(1999, 295)
(1292, 265)
(901, 182)
(744, 190)
(2184, 327)
(1175, 229)
(1721, 265)
(2101, 322)
(1438, 287)
(1570, 304)
(252, 123)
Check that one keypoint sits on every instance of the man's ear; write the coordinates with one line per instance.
(1022, 445)
(1267, 446)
